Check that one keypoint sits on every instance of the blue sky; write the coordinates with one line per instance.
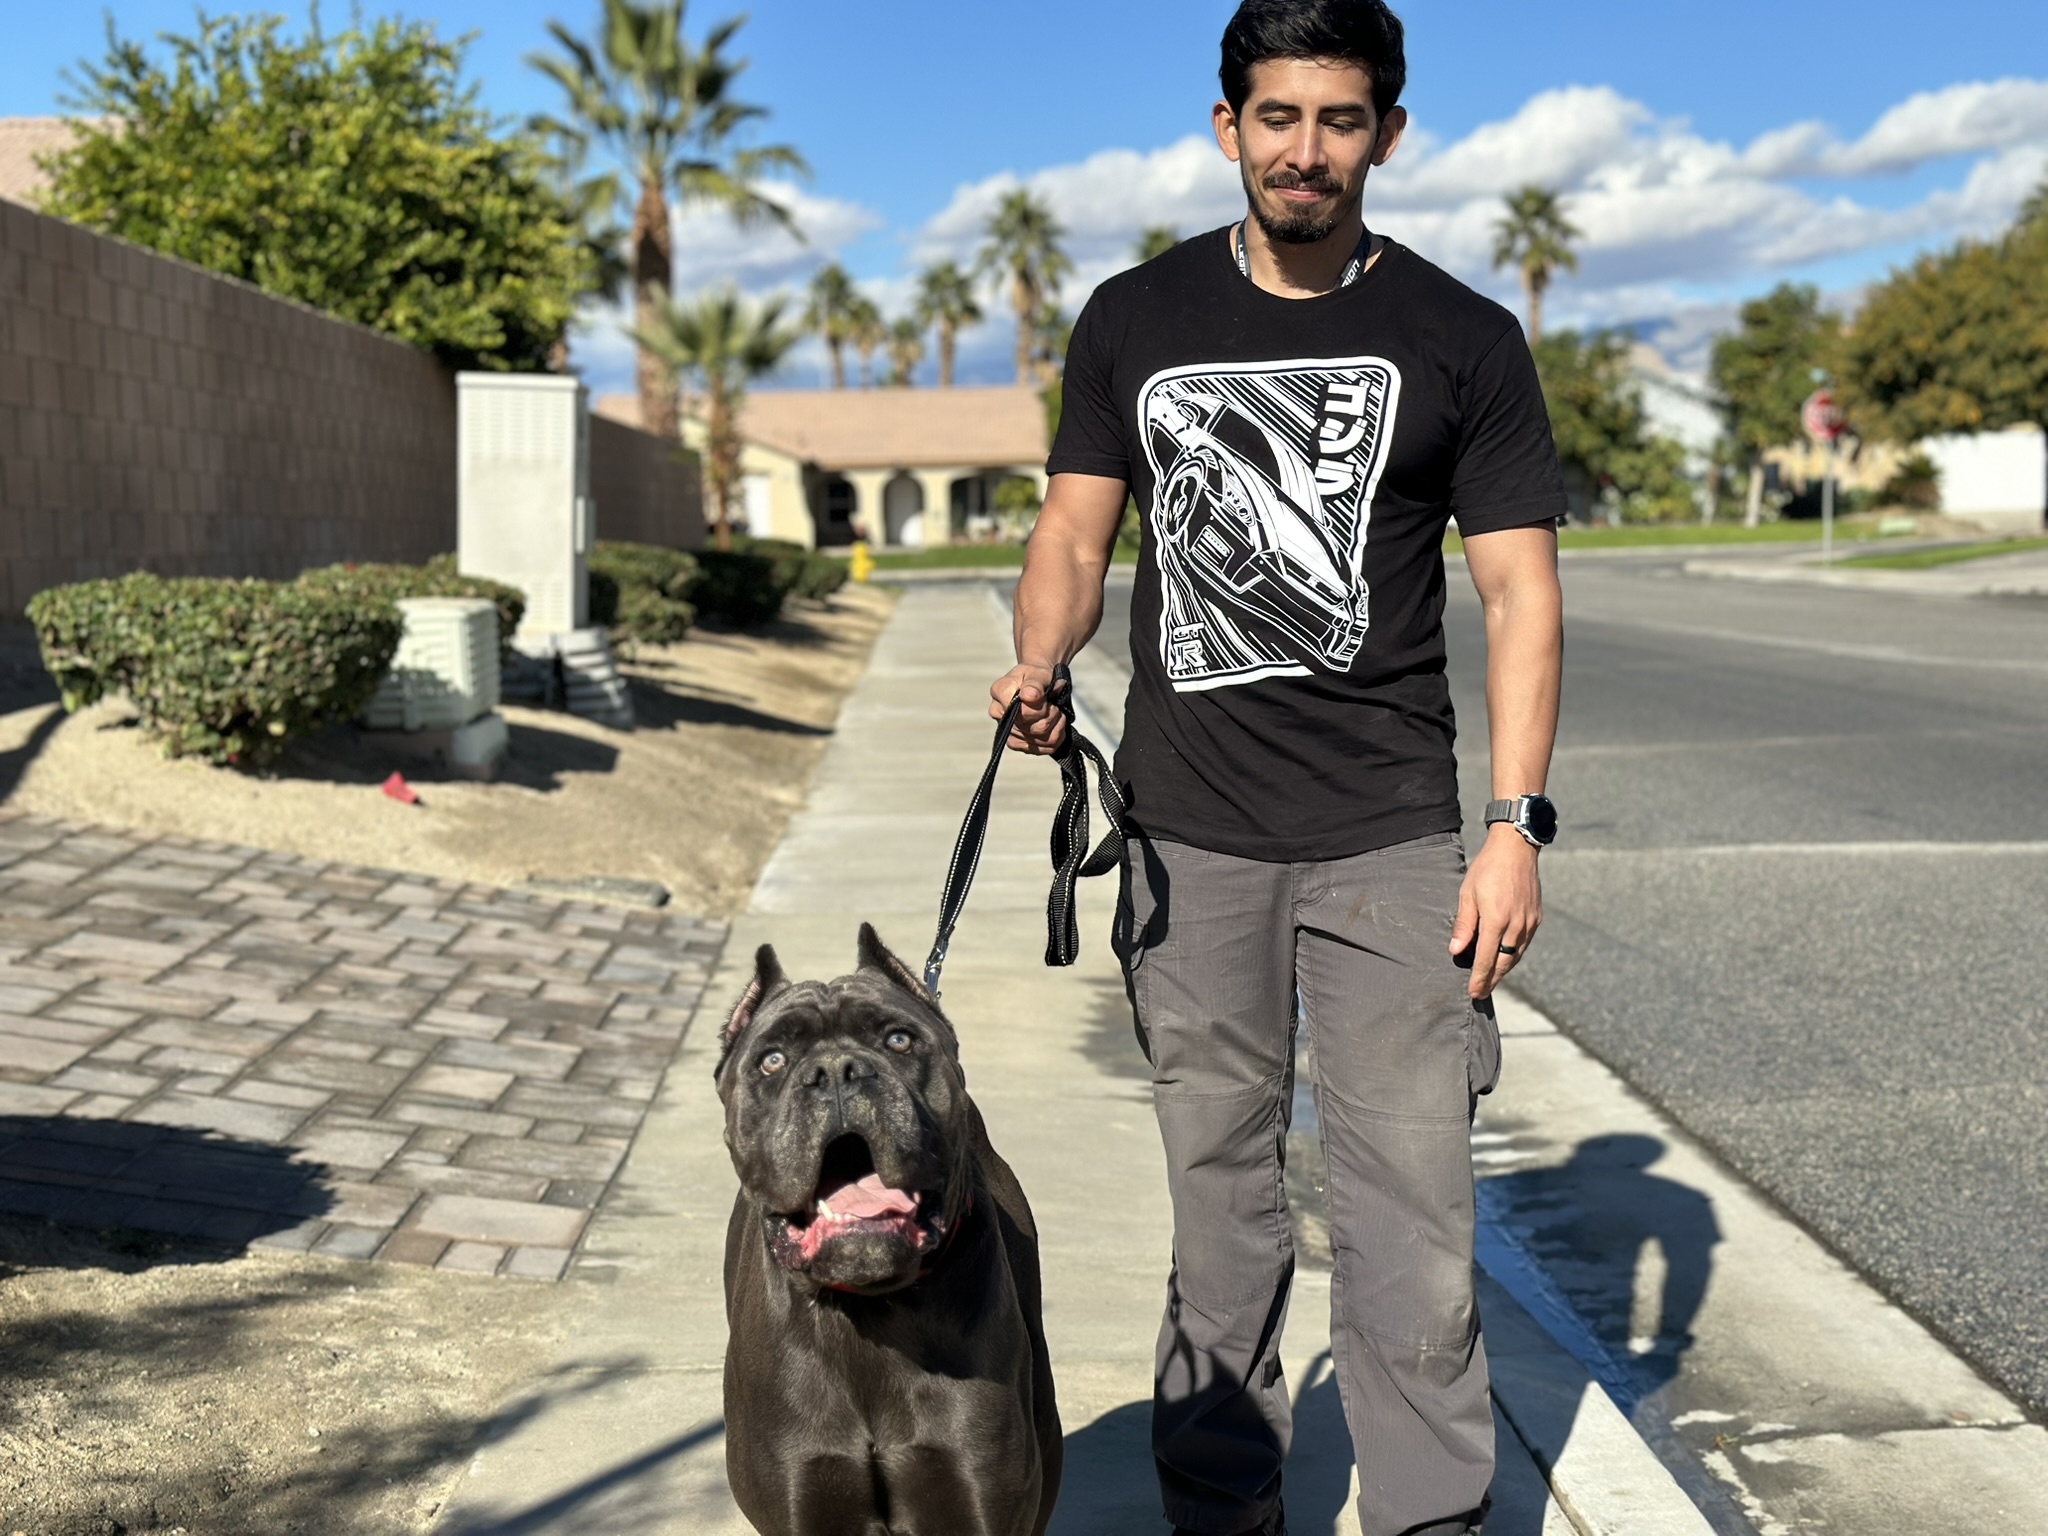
(1708, 151)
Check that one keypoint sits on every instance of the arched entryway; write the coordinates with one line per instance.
(903, 511)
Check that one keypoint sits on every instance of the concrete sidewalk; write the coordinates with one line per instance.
(625, 1436)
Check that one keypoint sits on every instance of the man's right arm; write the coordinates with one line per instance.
(1059, 599)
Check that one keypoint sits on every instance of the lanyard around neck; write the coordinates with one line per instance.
(1353, 269)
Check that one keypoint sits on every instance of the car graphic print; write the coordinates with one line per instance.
(1263, 481)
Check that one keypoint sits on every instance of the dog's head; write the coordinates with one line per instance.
(847, 1117)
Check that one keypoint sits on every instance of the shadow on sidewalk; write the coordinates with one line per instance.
(620, 1501)
(160, 1193)
(1629, 1250)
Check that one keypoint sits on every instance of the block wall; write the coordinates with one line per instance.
(645, 492)
(154, 416)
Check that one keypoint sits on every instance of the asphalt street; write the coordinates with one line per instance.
(1798, 901)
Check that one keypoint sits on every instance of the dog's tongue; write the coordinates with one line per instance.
(869, 1198)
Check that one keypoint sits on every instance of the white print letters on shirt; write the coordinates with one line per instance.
(1263, 481)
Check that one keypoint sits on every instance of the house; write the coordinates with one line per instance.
(902, 467)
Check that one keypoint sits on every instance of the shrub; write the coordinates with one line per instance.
(804, 572)
(437, 578)
(229, 671)
(740, 589)
(1916, 483)
(652, 590)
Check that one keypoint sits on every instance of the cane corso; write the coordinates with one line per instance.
(887, 1372)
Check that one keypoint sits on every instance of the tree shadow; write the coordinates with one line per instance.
(662, 706)
(623, 1500)
(1592, 1224)
(161, 1193)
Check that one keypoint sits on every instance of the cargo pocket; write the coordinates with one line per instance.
(1482, 1048)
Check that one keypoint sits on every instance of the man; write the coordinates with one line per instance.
(1298, 407)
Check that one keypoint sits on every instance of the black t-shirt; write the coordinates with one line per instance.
(1297, 461)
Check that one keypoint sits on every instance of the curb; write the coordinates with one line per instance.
(1926, 583)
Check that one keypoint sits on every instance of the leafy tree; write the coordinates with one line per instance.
(869, 334)
(1535, 238)
(352, 172)
(723, 343)
(829, 314)
(945, 299)
(1022, 242)
(2035, 209)
(1156, 241)
(662, 116)
(1765, 368)
(1958, 342)
(1602, 432)
(906, 351)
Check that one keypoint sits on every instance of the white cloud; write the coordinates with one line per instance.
(711, 248)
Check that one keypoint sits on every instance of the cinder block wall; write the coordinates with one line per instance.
(154, 416)
(645, 493)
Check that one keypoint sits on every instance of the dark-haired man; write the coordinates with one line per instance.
(1299, 407)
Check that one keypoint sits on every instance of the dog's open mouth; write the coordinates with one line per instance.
(852, 1200)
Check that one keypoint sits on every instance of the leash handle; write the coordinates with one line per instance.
(1069, 834)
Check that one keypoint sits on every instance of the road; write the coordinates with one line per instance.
(1799, 902)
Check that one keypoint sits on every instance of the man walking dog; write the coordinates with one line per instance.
(1298, 407)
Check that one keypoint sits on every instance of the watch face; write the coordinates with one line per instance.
(1540, 817)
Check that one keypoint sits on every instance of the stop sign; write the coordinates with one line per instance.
(1821, 417)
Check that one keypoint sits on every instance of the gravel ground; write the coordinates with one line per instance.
(152, 1387)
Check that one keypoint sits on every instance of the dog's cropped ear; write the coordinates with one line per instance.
(877, 956)
(768, 981)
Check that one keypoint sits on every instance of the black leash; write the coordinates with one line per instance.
(1072, 860)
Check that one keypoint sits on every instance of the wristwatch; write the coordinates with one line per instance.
(1531, 815)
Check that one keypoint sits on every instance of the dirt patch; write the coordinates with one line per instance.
(730, 728)
(153, 1388)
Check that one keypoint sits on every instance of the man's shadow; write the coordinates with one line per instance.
(1593, 1225)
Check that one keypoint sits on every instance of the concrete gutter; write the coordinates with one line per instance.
(2021, 575)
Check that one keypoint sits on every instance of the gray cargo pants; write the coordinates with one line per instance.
(1215, 950)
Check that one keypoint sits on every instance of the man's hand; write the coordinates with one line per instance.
(1500, 907)
(1041, 724)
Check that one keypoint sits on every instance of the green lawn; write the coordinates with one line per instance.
(1946, 554)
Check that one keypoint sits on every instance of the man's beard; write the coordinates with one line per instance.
(1302, 227)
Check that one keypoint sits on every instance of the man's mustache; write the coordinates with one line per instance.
(1294, 181)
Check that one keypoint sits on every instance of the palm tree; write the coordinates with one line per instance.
(868, 334)
(1157, 240)
(906, 350)
(1535, 237)
(1022, 242)
(829, 315)
(723, 343)
(945, 298)
(664, 115)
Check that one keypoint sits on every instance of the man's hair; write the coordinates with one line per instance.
(1361, 32)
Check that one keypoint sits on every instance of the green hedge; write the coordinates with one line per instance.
(437, 578)
(229, 671)
(804, 572)
(642, 591)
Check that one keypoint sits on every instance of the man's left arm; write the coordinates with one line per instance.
(1500, 905)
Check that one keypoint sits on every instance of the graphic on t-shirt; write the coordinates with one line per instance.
(1263, 481)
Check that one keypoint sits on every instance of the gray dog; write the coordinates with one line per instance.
(887, 1370)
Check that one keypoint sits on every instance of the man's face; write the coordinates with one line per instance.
(1304, 143)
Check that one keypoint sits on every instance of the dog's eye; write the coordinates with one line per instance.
(773, 1063)
(899, 1041)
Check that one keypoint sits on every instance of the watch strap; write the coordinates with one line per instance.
(1502, 810)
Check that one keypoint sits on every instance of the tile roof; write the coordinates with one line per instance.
(841, 429)
(22, 140)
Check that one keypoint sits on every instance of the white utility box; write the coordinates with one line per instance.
(523, 512)
(446, 671)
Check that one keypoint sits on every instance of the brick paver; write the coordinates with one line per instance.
(220, 1042)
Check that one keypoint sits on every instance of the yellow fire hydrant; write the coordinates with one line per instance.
(862, 564)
